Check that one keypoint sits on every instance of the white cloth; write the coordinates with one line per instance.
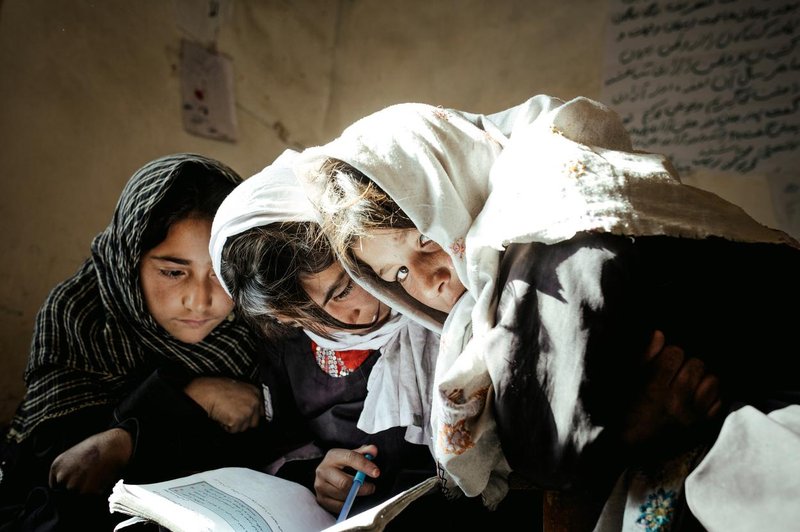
(271, 195)
(539, 172)
(400, 385)
(399, 397)
(746, 475)
(376, 339)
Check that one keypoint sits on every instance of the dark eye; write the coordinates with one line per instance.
(402, 274)
(423, 240)
(345, 291)
(172, 274)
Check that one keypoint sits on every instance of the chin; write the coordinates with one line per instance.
(451, 306)
(192, 337)
(442, 308)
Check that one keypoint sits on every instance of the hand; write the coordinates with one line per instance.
(235, 405)
(678, 392)
(93, 465)
(332, 484)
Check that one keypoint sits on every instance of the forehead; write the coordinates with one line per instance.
(385, 245)
(384, 239)
(188, 234)
(320, 283)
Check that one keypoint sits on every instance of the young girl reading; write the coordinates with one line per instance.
(143, 316)
(553, 251)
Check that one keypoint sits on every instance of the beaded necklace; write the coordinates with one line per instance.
(338, 363)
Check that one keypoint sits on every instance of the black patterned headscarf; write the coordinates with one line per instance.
(94, 338)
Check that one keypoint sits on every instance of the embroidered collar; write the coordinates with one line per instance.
(338, 363)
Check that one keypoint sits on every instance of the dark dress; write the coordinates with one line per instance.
(590, 305)
(311, 406)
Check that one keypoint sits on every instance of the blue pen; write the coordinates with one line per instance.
(358, 480)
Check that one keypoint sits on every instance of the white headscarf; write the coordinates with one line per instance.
(270, 196)
(540, 172)
(274, 196)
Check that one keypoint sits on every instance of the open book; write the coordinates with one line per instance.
(239, 499)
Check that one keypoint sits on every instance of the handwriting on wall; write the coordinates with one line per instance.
(714, 84)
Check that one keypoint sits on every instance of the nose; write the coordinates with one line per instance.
(433, 282)
(198, 295)
(362, 309)
(431, 275)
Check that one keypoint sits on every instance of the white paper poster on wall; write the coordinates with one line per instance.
(207, 93)
(714, 84)
(201, 20)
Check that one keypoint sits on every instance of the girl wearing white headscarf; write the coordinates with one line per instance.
(536, 208)
(264, 243)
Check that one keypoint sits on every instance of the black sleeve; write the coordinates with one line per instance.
(173, 436)
(300, 471)
(283, 417)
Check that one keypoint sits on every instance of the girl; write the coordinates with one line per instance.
(142, 317)
(514, 229)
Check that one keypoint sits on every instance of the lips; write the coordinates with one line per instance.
(195, 324)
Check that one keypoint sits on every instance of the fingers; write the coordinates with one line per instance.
(231, 403)
(239, 409)
(666, 365)
(332, 482)
(354, 459)
(692, 393)
(656, 344)
(360, 463)
(707, 397)
(677, 392)
(255, 418)
(689, 375)
(246, 419)
(54, 478)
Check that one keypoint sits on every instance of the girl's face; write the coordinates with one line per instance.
(419, 264)
(334, 291)
(180, 289)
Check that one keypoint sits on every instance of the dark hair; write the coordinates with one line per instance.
(352, 206)
(196, 192)
(262, 267)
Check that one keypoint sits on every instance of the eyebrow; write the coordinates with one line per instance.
(333, 288)
(398, 238)
(168, 258)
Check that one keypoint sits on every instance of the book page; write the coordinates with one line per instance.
(227, 499)
(376, 518)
